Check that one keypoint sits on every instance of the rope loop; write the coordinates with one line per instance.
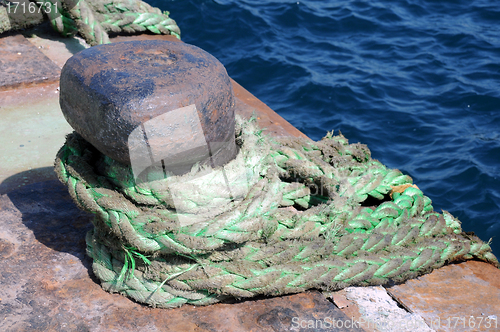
(288, 215)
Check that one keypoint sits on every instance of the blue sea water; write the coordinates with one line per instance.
(417, 81)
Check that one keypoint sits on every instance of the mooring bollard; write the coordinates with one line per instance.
(151, 104)
(280, 216)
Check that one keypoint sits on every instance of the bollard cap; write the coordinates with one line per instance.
(146, 103)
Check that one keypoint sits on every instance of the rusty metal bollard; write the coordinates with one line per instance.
(151, 104)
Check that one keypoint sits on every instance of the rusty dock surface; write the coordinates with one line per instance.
(46, 279)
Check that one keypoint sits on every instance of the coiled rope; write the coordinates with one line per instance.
(320, 215)
(94, 19)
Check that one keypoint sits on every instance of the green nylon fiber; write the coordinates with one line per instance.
(94, 19)
(300, 215)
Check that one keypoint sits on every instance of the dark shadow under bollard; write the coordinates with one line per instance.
(49, 212)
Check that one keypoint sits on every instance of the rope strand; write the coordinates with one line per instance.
(302, 224)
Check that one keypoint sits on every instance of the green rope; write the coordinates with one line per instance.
(94, 19)
(320, 215)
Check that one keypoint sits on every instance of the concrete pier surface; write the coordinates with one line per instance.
(46, 279)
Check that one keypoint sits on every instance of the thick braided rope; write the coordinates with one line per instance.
(86, 22)
(94, 19)
(59, 18)
(132, 16)
(302, 224)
